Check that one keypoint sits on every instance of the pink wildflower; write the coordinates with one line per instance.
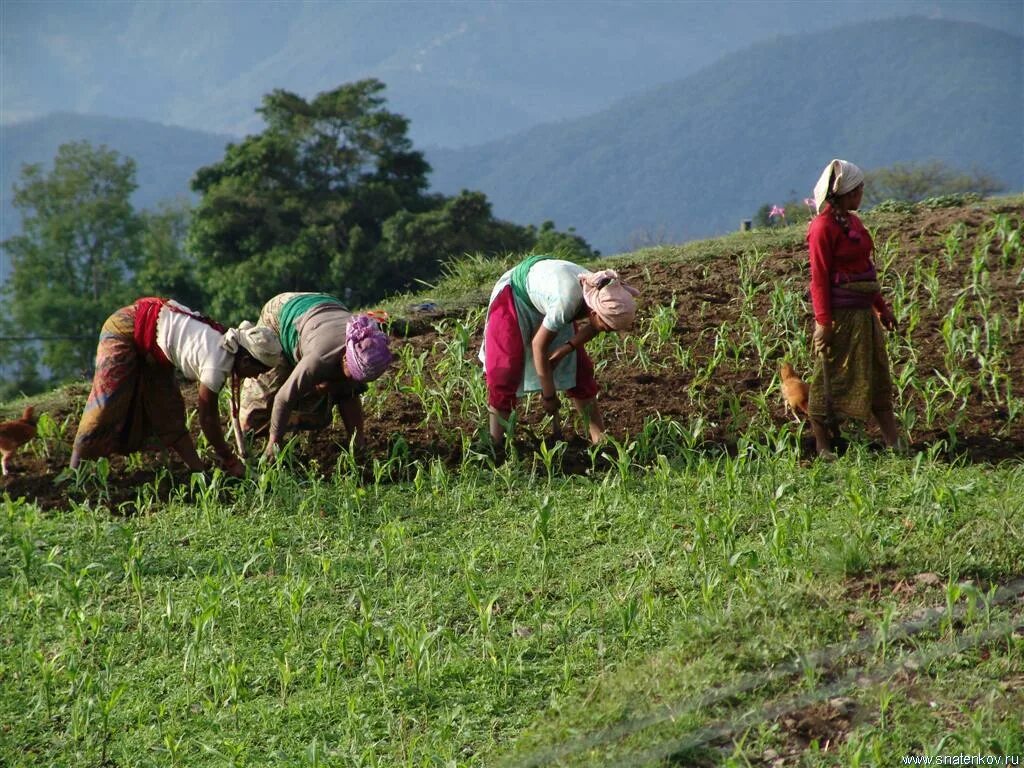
(777, 211)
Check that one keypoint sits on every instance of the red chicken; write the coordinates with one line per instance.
(14, 434)
(794, 390)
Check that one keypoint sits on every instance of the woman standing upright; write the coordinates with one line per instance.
(852, 367)
(532, 342)
(134, 396)
(329, 355)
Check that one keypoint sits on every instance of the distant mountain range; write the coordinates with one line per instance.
(688, 159)
(464, 71)
(165, 156)
(692, 158)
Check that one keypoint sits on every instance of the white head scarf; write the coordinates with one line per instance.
(259, 341)
(844, 176)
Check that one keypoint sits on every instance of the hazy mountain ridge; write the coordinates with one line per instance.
(464, 72)
(684, 160)
(693, 157)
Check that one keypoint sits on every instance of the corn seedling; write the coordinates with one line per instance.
(952, 244)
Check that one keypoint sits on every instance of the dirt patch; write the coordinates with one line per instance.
(704, 297)
(889, 584)
(827, 724)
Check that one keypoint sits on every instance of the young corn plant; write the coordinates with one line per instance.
(483, 605)
(952, 244)
(51, 441)
(887, 253)
(621, 459)
(978, 275)
(931, 396)
(900, 297)
(750, 265)
(767, 346)
(953, 334)
(929, 282)
(133, 572)
(1005, 230)
(550, 457)
(641, 359)
(1014, 409)
(417, 645)
(659, 328)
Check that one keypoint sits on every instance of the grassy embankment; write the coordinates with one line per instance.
(679, 604)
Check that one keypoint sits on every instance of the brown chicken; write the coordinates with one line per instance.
(794, 391)
(14, 434)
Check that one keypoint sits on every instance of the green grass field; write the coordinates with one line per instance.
(676, 604)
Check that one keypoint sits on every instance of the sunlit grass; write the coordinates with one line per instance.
(414, 612)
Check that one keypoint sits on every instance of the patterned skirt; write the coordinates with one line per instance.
(858, 368)
(134, 403)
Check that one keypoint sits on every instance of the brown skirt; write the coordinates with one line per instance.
(134, 403)
(858, 368)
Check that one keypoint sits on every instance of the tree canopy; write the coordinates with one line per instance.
(331, 197)
(83, 252)
(73, 261)
(913, 182)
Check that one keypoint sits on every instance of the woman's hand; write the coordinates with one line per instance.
(272, 450)
(822, 338)
(550, 404)
(563, 351)
(888, 318)
(233, 466)
(209, 422)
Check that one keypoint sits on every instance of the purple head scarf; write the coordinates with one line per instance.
(366, 349)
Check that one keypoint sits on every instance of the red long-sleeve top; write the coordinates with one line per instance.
(834, 253)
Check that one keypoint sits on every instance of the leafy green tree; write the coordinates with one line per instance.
(73, 261)
(166, 268)
(331, 196)
(567, 245)
(301, 206)
(913, 182)
(19, 364)
(419, 243)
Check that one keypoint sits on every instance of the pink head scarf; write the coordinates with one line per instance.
(610, 298)
(366, 349)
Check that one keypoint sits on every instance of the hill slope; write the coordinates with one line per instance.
(745, 293)
(695, 593)
(165, 156)
(692, 158)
